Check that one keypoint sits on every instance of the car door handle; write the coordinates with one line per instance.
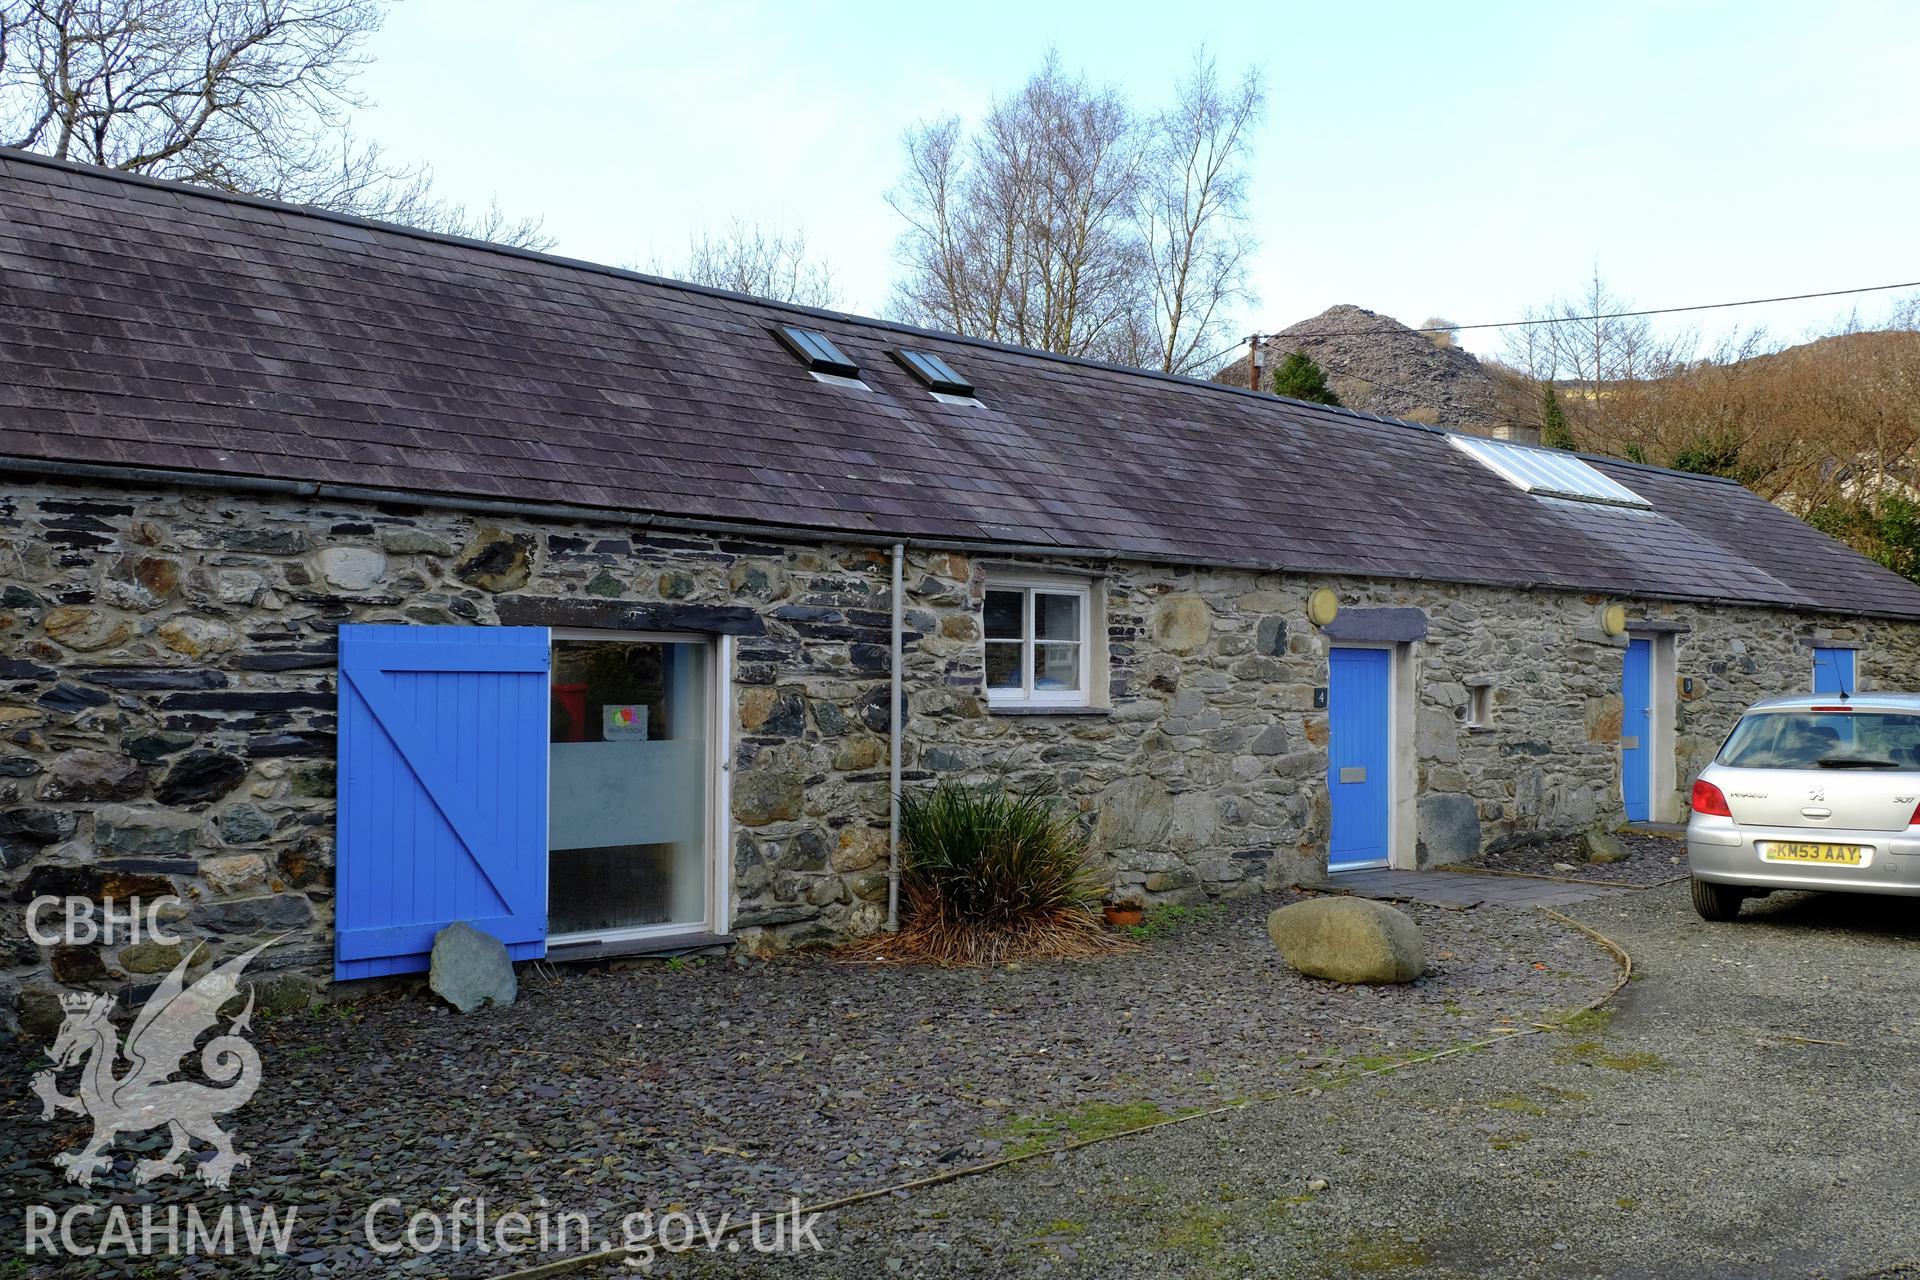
(1816, 813)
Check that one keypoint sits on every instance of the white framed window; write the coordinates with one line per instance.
(1038, 643)
(1479, 709)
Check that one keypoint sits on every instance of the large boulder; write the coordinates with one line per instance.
(471, 968)
(1348, 940)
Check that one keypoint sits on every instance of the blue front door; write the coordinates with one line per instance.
(1636, 730)
(1833, 671)
(1359, 687)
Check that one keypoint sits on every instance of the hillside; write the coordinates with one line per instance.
(1876, 349)
(1377, 364)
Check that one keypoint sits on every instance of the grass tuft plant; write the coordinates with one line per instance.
(989, 875)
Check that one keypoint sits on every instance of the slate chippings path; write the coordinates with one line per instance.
(726, 1086)
(1740, 1111)
(1652, 860)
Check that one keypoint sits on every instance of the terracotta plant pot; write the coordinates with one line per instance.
(1124, 915)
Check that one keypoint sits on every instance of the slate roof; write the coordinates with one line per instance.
(153, 325)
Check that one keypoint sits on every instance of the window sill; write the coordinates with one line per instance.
(1042, 709)
(695, 939)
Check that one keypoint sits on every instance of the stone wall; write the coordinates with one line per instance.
(167, 706)
(1208, 771)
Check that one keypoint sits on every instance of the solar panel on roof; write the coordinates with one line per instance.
(936, 373)
(816, 351)
(1548, 472)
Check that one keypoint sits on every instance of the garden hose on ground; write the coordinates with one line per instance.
(1621, 958)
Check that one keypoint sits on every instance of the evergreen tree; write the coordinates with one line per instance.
(1554, 432)
(1299, 378)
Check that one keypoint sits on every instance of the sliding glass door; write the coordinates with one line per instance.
(631, 766)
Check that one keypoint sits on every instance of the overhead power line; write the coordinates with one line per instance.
(1605, 315)
(1207, 360)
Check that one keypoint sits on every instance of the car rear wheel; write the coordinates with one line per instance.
(1716, 901)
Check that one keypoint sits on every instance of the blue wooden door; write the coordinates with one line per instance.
(1359, 710)
(1833, 671)
(1636, 728)
(442, 792)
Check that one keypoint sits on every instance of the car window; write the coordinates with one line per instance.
(1824, 740)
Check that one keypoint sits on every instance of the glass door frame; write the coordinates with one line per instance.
(719, 874)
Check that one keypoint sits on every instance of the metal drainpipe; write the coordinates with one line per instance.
(895, 715)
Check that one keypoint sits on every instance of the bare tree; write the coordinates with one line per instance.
(367, 187)
(1024, 232)
(1584, 338)
(1828, 429)
(1070, 223)
(1194, 211)
(1584, 345)
(249, 96)
(1902, 313)
(765, 262)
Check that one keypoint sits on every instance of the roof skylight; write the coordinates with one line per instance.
(1549, 473)
(936, 373)
(816, 351)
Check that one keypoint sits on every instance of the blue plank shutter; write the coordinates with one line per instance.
(442, 792)
(1833, 671)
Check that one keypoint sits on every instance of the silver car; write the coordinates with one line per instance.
(1820, 791)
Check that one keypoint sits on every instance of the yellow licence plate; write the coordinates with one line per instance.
(1846, 855)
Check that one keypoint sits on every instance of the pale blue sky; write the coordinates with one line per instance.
(1418, 158)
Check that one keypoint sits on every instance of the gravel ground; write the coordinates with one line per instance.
(1744, 1111)
(1653, 860)
(729, 1086)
